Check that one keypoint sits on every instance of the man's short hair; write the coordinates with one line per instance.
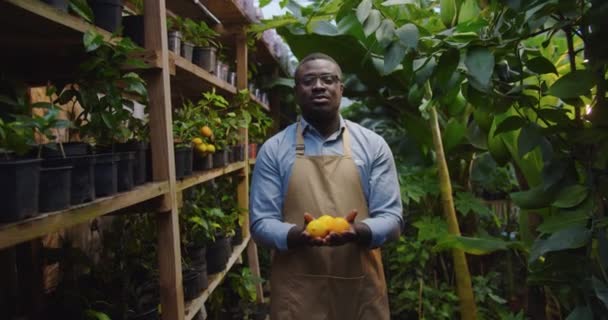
(317, 56)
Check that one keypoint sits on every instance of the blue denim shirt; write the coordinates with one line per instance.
(272, 171)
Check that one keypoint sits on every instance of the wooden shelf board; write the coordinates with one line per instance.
(20, 231)
(227, 11)
(208, 175)
(256, 100)
(191, 81)
(252, 162)
(193, 306)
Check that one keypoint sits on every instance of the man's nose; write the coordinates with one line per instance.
(318, 84)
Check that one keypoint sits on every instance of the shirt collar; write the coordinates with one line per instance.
(307, 126)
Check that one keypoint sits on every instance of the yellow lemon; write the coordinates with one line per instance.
(340, 225)
(211, 148)
(317, 229)
(206, 131)
(202, 148)
(328, 221)
(197, 141)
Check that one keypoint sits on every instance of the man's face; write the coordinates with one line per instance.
(318, 89)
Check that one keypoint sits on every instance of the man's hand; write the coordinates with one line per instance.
(338, 239)
(298, 236)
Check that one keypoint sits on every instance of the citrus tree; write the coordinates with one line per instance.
(522, 80)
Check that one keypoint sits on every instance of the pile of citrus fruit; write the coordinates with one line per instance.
(200, 143)
(322, 226)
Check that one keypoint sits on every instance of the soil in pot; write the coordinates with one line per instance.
(202, 162)
(55, 188)
(19, 189)
(220, 159)
(205, 58)
(218, 253)
(83, 176)
(106, 172)
(107, 13)
(125, 171)
(186, 50)
(191, 284)
(140, 163)
(175, 42)
(133, 27)
(59, 4)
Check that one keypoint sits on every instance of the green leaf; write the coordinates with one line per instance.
(535, 198)
(82, 9)
(601, 290)
(92, 40)
(264, 3)
(454, 134)
(563, 220)
(541, 65)
(580, 313)
(431, 228)
(480, 64)
(510, 124)
(466, 202)
(570, 238)
(372, 23)
(96, 315)
(398, 2)
(448, 62)
(529, 138)
(364, 10)
(476, 246)
(408, 35)
(558, 116)
(394, 56)
(571, 196)
(572, 85)
(385, 33)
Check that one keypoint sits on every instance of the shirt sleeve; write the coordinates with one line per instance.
(266, 201)
(385, 208)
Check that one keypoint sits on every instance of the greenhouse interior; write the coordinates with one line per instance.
(304, 159)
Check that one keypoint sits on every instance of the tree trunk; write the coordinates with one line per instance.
(468, 309)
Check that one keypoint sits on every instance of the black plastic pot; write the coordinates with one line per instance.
(106, 172)
(186, 50)
(149, 169)
(181, 162)
(238, 236)
(140, 163)
(217, 255)
(125, 171)
(52, 150)
(205, 57)
(59, 4)
(175, 42)
(197, 255)
(230, 155)
(55, 188)
(83, 176)
(188, 162)
(220, 159)
(107, 13)
(239, 151)
(151, 314)
(133, 27)
(202, 162)
(191, 284)
(19, 189)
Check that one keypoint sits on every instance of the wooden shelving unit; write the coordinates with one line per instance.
(256, 100)
(42, 43)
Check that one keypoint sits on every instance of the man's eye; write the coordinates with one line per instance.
(328, 79)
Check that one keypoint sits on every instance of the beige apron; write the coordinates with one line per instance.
(333, 283)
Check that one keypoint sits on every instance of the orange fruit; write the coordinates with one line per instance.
(328, 221)
(206, 131)
(317, 229)
(340, 225)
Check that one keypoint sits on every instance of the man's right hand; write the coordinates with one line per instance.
(298, 236)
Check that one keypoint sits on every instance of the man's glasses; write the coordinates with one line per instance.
(326, 79)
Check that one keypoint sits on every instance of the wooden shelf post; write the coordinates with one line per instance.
(161, 137)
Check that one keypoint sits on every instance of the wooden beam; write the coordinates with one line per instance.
(163, 162)
(207, 175)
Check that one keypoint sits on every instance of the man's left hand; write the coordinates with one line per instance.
(338, 239)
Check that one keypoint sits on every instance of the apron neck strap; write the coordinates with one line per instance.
(300, 140)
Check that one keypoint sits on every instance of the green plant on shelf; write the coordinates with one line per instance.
(260, 123)
(196, 32)
(214, 108)
(186, 123)
(21, 119)
(106, 90)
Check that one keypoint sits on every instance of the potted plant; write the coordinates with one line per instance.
(101, 91)
(133, 25)
(258, 127)
(186, 29)
(185, 129)
(174, 33)
(202, 37)
(107, 13)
